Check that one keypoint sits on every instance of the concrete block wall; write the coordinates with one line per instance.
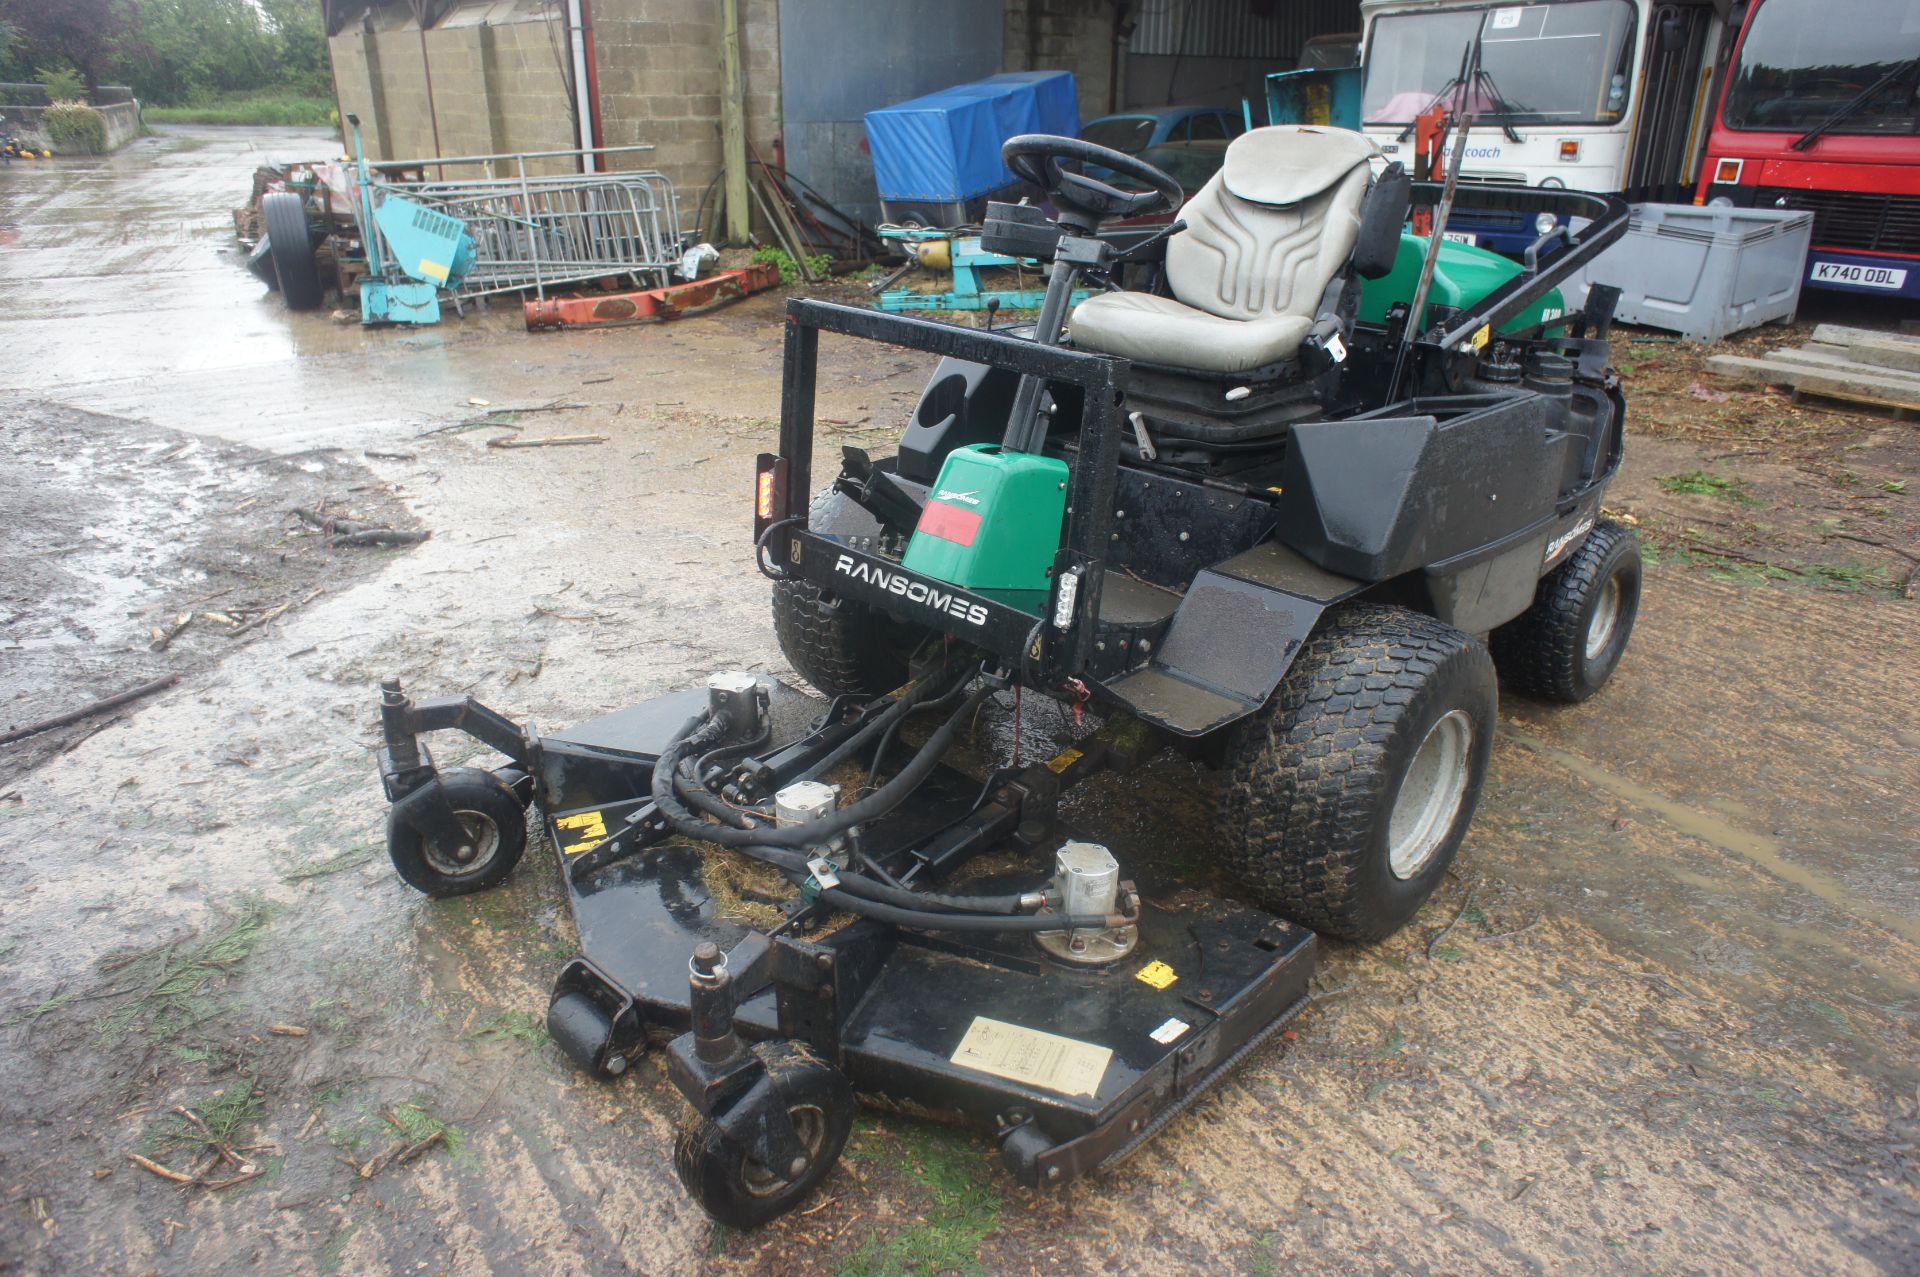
(661, 81)
(503, 87)
(1065, 35)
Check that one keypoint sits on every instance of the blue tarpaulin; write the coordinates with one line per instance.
(946, 145)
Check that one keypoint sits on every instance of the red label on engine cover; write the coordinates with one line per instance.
(949, 523)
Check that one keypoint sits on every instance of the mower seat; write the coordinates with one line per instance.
(1264, 238)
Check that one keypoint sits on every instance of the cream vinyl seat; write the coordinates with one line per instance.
(1264, 238)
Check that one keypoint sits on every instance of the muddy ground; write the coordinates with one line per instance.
(1665, 1018)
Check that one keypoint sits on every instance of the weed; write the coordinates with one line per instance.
(53, 1003)
(516, 1026)
(1892, 485)
(1848, 576)
(1390, 1043)
(225, 1116)
(170, 985)
(1699, 483)
(964, 1208)
(1260, 1258)
(781, 260)
(331, 1253)
(322, 866)
(1833, 1016)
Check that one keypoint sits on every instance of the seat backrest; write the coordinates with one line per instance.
(1270, 230)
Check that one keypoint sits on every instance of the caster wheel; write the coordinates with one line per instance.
(737, 1190)
(493, 836)
(581, 1029)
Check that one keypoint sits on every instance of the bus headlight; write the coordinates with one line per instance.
(1545, 223)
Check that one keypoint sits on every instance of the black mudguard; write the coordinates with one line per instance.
(1231, 641)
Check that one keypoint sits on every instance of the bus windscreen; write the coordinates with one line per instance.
(1803, 65)
(1561, 63)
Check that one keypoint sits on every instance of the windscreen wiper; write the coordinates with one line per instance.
(1852, 106)
(1470, 77)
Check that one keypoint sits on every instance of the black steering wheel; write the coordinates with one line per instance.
(1054, 165)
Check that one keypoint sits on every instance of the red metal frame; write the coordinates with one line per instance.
(609, 310)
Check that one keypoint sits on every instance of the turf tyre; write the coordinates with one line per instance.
(740, 1192)
(494, 823)
(842, 647)
(290, 244)
(1569, 642)
(1311, 820)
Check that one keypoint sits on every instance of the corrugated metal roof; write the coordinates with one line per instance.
(1274, 31)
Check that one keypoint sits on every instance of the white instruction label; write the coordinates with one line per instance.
(1171, 1031)
(1028, 1055)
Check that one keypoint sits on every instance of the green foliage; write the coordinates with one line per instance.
(280, 110)
(781, 260)
(962, 1208)
(1699, 483)
(75, 128)
(63, 84)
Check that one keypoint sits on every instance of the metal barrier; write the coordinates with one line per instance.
(540, 231)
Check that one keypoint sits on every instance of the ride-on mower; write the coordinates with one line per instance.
(1210, 506)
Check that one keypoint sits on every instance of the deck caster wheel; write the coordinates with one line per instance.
(1348, 796)
(723, 1176)
(491, 837)
(1567, 645)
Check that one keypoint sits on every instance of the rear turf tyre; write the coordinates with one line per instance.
(1347, 797)
(842, 647)
(1567, 645)
(290, 245)
(737, 1190)
(493, 837)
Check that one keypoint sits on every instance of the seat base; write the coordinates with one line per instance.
(1162, 331)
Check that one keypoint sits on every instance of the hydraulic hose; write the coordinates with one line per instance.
(886, 720)
(795, 862)
(878, 803)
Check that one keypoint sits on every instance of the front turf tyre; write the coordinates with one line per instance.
(492, 838)
(842, 647)
(290, 245)
(737, 1190)
(1347, 797)
(1567, 645)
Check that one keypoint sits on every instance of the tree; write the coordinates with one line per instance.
(94, 35)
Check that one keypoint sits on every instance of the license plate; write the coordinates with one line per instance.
(1859, 276)
(1460, 237)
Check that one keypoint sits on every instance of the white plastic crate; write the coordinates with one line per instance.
(1704, 272)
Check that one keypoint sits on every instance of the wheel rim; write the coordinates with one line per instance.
(479, 834)
(1605, 619)
(810, 1124)
(1430, 794)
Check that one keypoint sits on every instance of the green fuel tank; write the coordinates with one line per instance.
(1463, 275)
(992, 521)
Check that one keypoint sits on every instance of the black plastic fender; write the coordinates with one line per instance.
(1232, 640)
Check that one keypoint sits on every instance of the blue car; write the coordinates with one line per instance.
(1135, 131)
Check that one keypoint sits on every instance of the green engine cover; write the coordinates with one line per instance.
(992, 521)
(1463, 275)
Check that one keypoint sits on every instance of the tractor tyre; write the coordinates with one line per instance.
(291, 245)
(842, 647)
(1568, 644)
(1348, 795)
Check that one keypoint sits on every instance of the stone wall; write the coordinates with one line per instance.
(503, 86)
(123, 124)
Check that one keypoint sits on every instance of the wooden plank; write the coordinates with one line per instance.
(1885, 392)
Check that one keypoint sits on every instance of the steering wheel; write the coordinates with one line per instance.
(1054, 165)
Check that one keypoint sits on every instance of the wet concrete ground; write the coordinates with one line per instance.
(1664, 1019)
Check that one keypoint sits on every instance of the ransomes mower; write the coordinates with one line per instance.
(1211, 505)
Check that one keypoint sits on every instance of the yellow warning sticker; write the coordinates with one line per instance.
(581, 832)
(1481, 336)
(1157, 974)
(1066, 758)
(435, 271)
(1027, 1055)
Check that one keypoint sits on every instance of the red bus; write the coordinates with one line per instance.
(1821, 112)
